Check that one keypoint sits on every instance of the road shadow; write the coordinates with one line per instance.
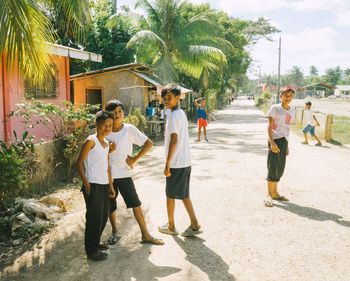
(312, 213)
(133, 265)
(198, 254)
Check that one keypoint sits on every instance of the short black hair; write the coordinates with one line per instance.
(171, 88)
(113, 104)
(308, 103)
(103, 115)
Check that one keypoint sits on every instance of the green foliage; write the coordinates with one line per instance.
(27, 27)
(17, 164)
(177, 42)
(106, 39)
(266, 95)
(137, 119)
(72, 123)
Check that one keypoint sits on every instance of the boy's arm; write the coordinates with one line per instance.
(196, 103)
(172, 146)
(274, 146)
(88, 145)
(111, 188)
(318, 123)
(146, 147)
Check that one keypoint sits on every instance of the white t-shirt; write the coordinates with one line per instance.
(124, 139)
(177, 123)
(283, 118)
(309, 114)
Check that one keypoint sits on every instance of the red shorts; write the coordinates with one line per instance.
(202, 122)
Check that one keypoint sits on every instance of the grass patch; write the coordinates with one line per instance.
(341, 130)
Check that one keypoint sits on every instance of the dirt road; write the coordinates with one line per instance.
(306, 239)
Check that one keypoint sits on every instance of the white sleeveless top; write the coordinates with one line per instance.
(96, 163)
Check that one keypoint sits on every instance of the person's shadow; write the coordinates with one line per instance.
(125, 264)
(198, 254)
(312, 213)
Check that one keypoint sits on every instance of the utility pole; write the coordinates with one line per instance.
(116, 6)
(279, 72)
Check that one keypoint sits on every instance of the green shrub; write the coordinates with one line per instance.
(137, 119)
(18, 164)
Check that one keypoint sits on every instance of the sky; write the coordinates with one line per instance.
(313, 32)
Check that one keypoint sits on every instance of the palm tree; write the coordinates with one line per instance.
(172, 43)
(26, 30)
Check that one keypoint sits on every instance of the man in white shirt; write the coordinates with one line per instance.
(312, 122)
(122, 137)
(178, 163)
(281, 116)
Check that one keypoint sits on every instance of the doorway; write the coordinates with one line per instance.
(94, 97)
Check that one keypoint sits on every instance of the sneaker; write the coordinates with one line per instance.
(103, 247)
(114, 238)
(165, 229)
(189, 232)
(319, 144)
(304, 142)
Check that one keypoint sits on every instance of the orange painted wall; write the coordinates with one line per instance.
(16, 95)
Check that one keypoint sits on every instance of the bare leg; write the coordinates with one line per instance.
(205, 133)
(272, 189)
(199, 133)
(170, 205)
(141, 222)
(189, 208)
(316, 138)
(113, 221)
(305, 136)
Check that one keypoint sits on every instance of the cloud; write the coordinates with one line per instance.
(254, 6)
(258, 6)
(343, 18)
(308, 47)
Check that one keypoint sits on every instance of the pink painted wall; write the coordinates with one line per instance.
(2, 125)
(16, 95)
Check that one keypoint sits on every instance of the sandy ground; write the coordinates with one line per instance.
(306, 239)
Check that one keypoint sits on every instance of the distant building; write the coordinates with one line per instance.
(342, 90)
(317, 90)
(133, 84)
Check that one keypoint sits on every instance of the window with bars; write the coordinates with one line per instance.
(48, 90)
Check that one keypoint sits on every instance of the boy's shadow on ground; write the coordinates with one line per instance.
(312, 213)
(198, 254)
(132, 265)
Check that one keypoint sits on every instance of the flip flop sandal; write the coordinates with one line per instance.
(268, 203)
(114, 238)
(281, 198)
(98, 256)
(189, 232)
(153, 241)
(103, 247)
(165, 229)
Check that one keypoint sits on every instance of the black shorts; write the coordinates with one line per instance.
(276, 162)
(127, 189)
(178, 184)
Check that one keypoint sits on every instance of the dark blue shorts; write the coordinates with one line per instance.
(309, 129)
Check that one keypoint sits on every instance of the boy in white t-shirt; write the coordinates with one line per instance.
(93, 168)
(122, 138)
(178, 163)
(312, 122)
(281, 116)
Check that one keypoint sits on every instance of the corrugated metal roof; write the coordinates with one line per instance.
(108, 69)
(65, 51)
